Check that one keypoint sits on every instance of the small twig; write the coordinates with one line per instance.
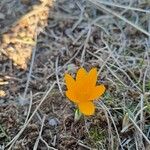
(120, 17)
(12, 142)
(80, 35)
(85, 146)
(122, 6)
(49, 147)
(109, 69)
(113, 122)
(141, 116)
(73, 57)
(85, 45)
(138, 128)
(39, 9)
(139, 112)
(57, 78)
(109, 128)
(116, 60)
(30, 105)
(80, 17)
(146, 70)
(40, 133)
(31, 66)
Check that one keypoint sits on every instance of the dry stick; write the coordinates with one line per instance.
(93, 22)
(29, 14)
(74, 56)
(54, 139)
(113, 122)
(49, 147)
(31, 66)
(80, 18)
(85, 146)
(148, 59)
(145, 73)
(106, 114)
(110, 51)
(125, 75)
(79, 36)
(127, 57)
(138, 128)
(103, 28)
(148, 133)
(109, 129)
(57, 78)
(141, 117)
(109, 69)
(148, 29)
(122, 36)
(120, 17)
(85, 45)
(122, 6)
(30, 105)
(40, 133)
(24, 95)
(136, 143)
(115, 67)
(139, 112)
(105, 62)
(142, 98)
(12, 142)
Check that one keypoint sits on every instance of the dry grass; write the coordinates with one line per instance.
(62, 36)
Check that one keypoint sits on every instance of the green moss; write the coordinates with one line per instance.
(108, 98)
(147, 85)
(148, 106)
(97, 134)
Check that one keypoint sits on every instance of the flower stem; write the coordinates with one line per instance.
(77, 115)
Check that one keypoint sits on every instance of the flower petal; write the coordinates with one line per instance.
(97, 91)
(81, 74)
(92, 77)
(81, 82)
(70, 82)
(87, 108)
(71, 95)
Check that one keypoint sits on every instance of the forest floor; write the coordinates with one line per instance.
(42, 40)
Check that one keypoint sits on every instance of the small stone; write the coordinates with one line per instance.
(53, 122)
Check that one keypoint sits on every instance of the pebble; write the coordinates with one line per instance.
(54, 122)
